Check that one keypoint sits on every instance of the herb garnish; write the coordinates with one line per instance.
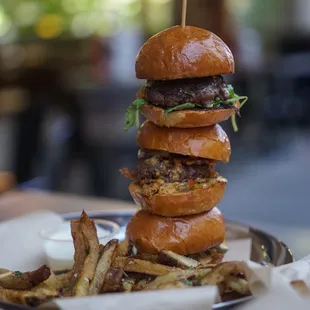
(132, 112)
(233, 97)
(18, 273)
(183, 106)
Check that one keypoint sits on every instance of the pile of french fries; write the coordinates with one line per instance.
(116, 267)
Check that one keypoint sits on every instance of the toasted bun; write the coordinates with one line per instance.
(183, 235)
(188, 52)
(206, 142)
(179, 203)
(185, 118)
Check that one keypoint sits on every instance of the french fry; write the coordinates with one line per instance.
(80, 253)
(237, 284)
(173, 259)
(301, 287)
(221, 271)
(29, 298)
(88, 270)
(102, 267)
(124, 248)
(141, 266)
(176, 276)
(113, 281)
(172, 285)
(140, 285)
(128, 284)
(24, 280)
(145, 256)
(62, 280)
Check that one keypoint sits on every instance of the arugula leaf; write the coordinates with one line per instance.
(132, 114)
(233, 98)
(231, 90)
(183, 106)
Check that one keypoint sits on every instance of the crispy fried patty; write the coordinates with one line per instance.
(202, 91)
(153, 165)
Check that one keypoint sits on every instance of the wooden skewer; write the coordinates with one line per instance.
(184, 7)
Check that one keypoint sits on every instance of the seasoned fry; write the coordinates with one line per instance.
(145, 256)
(124, 248)
(237, 284)
(101, 248)
(141, 266)
(24, 280)
(88, 270)
(176, 276)
(128, 284)
(221, 271)
(301, 287)
(62, 279)
(172, 285)
(103, 265)
(81, 249)
(29, 298)
(113, 281)
(173, 259)
(141, 284)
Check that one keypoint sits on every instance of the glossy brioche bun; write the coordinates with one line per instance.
(185, 118)
(183, 235)
(178, 203)
(206, 142)
(178, 53)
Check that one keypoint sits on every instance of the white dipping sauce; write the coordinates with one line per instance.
(59, 246)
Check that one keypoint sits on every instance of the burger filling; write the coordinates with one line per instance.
(207, 93)
(163, 172)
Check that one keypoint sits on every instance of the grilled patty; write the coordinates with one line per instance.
(154, 165)
(202, 91)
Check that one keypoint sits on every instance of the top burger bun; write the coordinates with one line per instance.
(207, 142)
(178, 53)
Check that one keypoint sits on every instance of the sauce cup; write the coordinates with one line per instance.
(58, 243)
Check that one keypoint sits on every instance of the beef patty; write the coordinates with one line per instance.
(202, 91)
(171, 168)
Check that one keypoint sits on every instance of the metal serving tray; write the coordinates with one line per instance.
(266, 249)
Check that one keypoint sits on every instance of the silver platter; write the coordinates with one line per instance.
(266, 249)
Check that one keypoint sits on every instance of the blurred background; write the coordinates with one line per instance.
(67, 76)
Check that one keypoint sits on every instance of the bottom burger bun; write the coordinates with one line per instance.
(170, 201)
(183, 235)
(186, 118)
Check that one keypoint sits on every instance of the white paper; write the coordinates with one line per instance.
(199, 298)
(281, 298)
(21, 243)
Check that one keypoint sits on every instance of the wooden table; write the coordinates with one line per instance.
(16, 203)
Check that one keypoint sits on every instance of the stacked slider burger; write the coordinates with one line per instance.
(175, 182)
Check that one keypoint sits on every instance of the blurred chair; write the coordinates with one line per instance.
(54, 111)
(288, 105)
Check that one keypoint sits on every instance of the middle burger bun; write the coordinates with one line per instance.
(206, 142)
(170, 201)
(183, 235)
(187, 118)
